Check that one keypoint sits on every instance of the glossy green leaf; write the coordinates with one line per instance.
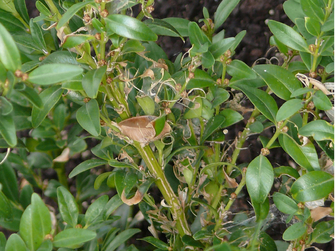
(71, 12)
(282, 82)
(264, 140)
(312, 186)
(295, 231)
(86, 165)
(45, 246)
(36, 33)
(231, 117)
(180, 24)
(59, 116)
(129, 27)
(201, 80)
(321, 101)
(20, 6)
(5, 208)
(189, 241)
(96, 210)
(35, 223)
(112, 205)
(305, 156)
(88, 116)
(197, 37)
(329, 24)
(313, 10)
(7, 129)
(48, 74)
(289, 108)
(221, 46)
(68, 207)
(155, 242)
(285, 204)
(49, 98)
(121, 238)
(263, 101)
(30, 94)
(223, 11)
(161, 27)
(9, 53)
(286, 170)
(92, 80)
(98, 25)
(323, 232)
(194, 110)
(220, 96)
(239, 70)
(261, 209)
(5, 106)
(25, 195)
(9, 181)
(76, 39)
(15, 243)
(207, 59)
(2, 241)
(132, 46)
(259, 178)
(293, 10)
(319, 130)
(73, 237)
(312, 26)
(212, 125)
(147, 104)
(101, 178)
(288, 36)
(42, 8)
(301, 91)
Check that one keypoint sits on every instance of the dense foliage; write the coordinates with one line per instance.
(91, 72)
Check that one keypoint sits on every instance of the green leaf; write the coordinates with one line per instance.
(68, 207)
(239, 70)
(207, 59)
(321, 101)
(223, 11)
(293, 10)
(263, 101)
(201, 80)
(121, 238)
(221, 46)
(5, 106)
(231, 117)
(49, 98)
(7, 129)
(45, 246)
(264, 140)
(194, 110)
(305, 156)
(197, 37)
(9, 53)
(35, 223)
(20, 6)
(147, 104)
(286, 170)
(92, 80)
(286, 35)
(129, 27)
(36, 33)
(323, 232)
(48, 74)
(30, 94)
(180, 24)
(319, 130)
(261, 209)
(312, 186)
(189, 241)
(73, 237)
(285, 204)
(312, 26)
(289, 108)
(282, 82)
(2, 241)
(259, 178)
(59, 116)
(295, 231)
(220, 96)
(6, 209)
(25, 195)
(132, 46)
(313, 10)
(76, 39)
(15, 243)
(88, 116)
(87, 165)
(212, 125)
(155, 242)
(161, 27)
(42, 9)
(96, 210)
(9, 181)
(71, 12)
(12, 24)
(112, 205)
